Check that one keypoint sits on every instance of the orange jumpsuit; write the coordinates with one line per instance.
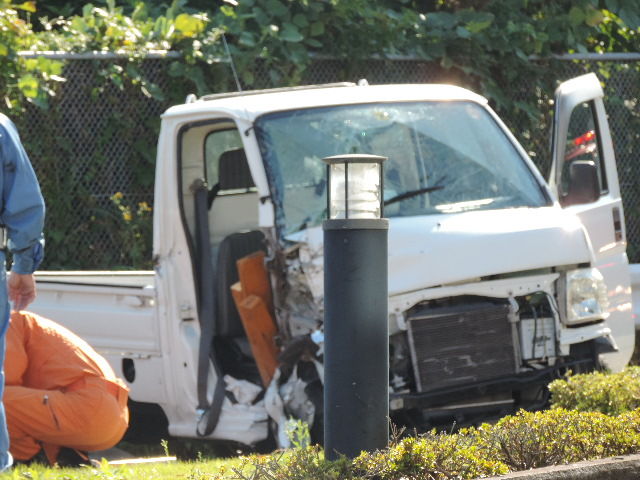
(59, 391)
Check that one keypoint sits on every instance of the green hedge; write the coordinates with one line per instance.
(595, 415)
(610, 393)
(518, 442)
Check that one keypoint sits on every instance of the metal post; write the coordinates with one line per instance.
(356, 388)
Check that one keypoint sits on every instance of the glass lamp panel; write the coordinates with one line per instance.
(364, 190)
(337, 207)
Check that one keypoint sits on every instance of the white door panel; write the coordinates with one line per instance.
(581, 132)
(605, 234)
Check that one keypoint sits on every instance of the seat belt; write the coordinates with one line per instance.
(209, 412)
(212, 194)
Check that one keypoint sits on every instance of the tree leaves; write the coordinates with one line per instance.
(26, 6)
(189, 25)
(491, 41)
(28, 85)
(589, 16)
(576, 16)
(481, 23)
(630, 16)
(317, 28)
(593, 17)
(290, 33)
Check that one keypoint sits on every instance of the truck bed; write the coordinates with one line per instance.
(115, 313)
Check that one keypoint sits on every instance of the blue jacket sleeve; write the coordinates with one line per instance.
(22, 209)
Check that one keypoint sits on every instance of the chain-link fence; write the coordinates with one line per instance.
(94, 149)
(94, 153)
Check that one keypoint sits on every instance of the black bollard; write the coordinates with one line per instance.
(356, 343)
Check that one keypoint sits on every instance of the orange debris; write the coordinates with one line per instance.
(252, 296)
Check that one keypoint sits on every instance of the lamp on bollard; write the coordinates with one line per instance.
(356, 355)
(355, 186)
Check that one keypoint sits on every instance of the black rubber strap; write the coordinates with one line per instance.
(212, 194)
(211, 414)
(206, 314)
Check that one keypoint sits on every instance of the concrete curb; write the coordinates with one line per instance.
(615, 468)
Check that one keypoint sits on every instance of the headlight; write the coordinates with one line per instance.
(586, 296)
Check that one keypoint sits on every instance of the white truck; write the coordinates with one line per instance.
(499, 280)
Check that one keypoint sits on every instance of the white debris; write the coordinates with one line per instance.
(244, 392)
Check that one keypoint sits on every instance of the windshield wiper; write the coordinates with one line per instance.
(413, 193)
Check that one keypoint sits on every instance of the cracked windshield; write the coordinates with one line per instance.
(443, 157)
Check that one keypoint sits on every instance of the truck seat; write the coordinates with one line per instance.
(233, 173)
(230, 342)
(233, 201)
(232, 248)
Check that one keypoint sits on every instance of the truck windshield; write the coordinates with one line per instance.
(443, 157)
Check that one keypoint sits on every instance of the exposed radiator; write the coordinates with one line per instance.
(461, 345)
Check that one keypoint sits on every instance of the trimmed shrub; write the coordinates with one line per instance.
(558, 436)
(300, 463)
(518, 442)
(431, 456)
(610, 393)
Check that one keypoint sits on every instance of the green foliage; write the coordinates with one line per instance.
(558, 436)
(298, 433)
(303, 463)
(133, 224)
(609, 393)
(110, 29)
(518, 442)
(23, 79)
(483, 39)
(433, 456)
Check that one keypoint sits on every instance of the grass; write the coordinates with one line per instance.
(205, 468)
(201, 470)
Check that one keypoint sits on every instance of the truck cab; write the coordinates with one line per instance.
(499, 280)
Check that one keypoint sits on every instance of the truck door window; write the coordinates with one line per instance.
(583, 143)
(201, 147)
(233, 202)
(216, 144)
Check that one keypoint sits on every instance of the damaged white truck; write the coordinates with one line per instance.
(499, 280)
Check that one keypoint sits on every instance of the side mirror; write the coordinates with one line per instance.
(584, 186)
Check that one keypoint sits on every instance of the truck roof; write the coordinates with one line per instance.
(251, 104)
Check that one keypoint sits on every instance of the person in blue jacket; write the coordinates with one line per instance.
(22, 221)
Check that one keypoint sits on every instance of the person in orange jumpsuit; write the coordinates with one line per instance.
(59, 391)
